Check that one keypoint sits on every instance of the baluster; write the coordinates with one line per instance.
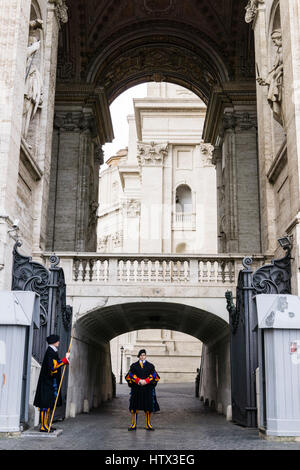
(186, 271)
(91, 263)
(226, 273)
(148, 277)
(105, 266)
(80, 270)
(212, 272)
(153, 271)
(137, 271)
(164, 270)
(128, 270)
(159, 273)
(97, 270)
(200, 271)
(120, 271)
(76, 269)
(204, 271)
(220, 272)
(142, 264)
(100, 271)
(177, 271)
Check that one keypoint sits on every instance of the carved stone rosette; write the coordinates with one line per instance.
(152, 153)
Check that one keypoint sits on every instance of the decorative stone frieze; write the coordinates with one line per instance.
(152, 153)
(252, 9)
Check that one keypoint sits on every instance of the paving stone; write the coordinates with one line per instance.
(183, 423)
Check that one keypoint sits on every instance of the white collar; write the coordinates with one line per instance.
(53, 347)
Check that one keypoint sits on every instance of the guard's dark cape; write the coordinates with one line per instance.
(49, 379)
(142, 397)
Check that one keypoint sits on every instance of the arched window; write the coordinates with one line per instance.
(184, 203)
(183, 217)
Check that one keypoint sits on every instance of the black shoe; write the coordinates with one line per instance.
(46, 430)
(132, 429)
(149, 429)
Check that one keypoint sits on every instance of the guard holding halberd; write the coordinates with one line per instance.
(48, 382)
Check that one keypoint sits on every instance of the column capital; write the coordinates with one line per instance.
(232, 97)
(74, 121)
(151, 154)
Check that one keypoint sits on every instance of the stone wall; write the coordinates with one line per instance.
(215, 389)
(90, 379)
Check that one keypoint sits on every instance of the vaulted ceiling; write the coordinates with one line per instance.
(104, 324)
(118, 43)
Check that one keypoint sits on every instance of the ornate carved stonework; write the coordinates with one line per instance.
(274, 80)
(132, 207)
(251, 10)
(239, 121)
(117, 239)
(207, 153)
(102, 244)
(75, 121)
(61, 10)
(33, 94)
(152, 153)
(99, 155)
(158, 7)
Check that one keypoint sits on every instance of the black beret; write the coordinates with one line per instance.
(52, 339)
(142, 351)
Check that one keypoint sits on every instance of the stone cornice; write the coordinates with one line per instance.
(86, 96)
(231, 94)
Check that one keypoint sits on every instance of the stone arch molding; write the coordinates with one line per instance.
(118, 316)
(157, 57)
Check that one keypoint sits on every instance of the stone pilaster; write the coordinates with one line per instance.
(14, 20)
(72, 213)
(151, 160)
(231, 127)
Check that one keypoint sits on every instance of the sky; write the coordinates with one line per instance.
(120, 108)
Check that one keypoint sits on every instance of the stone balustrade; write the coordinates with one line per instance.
(101, 269)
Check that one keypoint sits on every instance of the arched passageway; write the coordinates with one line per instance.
(90, 380)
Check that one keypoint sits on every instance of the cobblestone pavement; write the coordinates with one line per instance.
(183, 423)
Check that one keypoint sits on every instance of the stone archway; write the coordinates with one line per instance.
(91, 351)
(106, 48)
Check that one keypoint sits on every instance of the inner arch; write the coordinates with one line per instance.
(106, 323)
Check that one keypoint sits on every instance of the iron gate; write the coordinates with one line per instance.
(55, 315)
(273, 278)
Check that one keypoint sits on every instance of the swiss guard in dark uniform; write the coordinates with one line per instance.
(142, 378)
(48, 382)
